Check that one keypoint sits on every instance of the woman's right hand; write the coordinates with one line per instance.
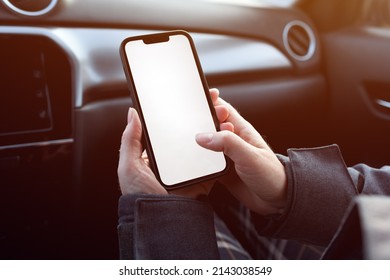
(258, 178)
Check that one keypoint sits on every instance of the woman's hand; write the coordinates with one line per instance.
(134, 173)
(258, 179)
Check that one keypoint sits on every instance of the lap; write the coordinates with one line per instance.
(237, 237)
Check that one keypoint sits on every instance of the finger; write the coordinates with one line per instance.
(222, 113)
(227, 126)
(131, 147)
(224, 109)
(233, 116)
(225, 141)
(241, 126)
(214, 94)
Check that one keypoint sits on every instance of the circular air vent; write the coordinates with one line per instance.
(299, 40)
(31, 7)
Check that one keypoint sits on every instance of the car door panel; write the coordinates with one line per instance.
(358, 65)
(288, 112)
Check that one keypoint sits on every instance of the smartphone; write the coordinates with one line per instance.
(171, 95)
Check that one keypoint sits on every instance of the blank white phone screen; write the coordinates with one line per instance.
(175, 108)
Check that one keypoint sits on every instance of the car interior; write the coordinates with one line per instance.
(305, 73)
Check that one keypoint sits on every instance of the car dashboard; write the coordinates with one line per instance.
(64, 99)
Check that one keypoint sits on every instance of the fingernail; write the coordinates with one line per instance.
(204, 137)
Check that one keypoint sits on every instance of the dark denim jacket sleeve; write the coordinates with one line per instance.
(320, 186)
(166, 227)
(321, 190)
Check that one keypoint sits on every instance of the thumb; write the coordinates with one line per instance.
(131, 147)
(228, 142)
